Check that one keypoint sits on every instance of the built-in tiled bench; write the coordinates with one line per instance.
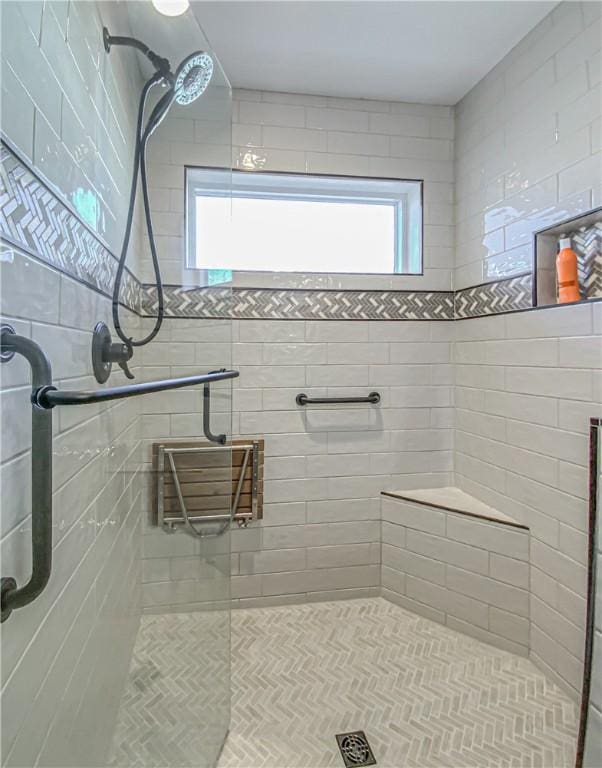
(457, 561)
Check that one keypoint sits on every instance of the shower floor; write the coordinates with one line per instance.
(423, 694)
(176, 697)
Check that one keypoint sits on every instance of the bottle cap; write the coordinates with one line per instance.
(565, 242)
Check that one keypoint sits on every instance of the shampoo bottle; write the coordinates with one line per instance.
(566, 273)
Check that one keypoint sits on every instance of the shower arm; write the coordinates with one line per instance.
(159, 63)
(44, 397)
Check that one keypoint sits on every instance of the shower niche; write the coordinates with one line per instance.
(585, 233)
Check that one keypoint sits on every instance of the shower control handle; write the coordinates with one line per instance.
(120, 352)
(105, 352)
(126, 370)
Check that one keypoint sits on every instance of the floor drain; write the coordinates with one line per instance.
(355, 749)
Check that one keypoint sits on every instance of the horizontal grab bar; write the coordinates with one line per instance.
(303, 399)
(44, 397)
(49, 396)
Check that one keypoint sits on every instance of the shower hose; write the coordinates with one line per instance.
(142, 136)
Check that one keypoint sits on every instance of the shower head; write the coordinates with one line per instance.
(192, 77)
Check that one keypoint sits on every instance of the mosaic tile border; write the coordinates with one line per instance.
(35, 219)
(274, 304)
(587, 244)
(493, 298)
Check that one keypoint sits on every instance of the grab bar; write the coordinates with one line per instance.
(303, 399)
(220, 439)
(48, 396)
(44, 397)
(41, 478)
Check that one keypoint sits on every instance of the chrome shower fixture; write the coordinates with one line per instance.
(190, 80)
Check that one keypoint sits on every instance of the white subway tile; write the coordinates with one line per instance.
(338, 375)
(427, 149)
(273, 331)
(340, 556)
(337, 330)
(413, 516)
(573, 384)
(261, 113)
(488, 590)
(410, 563)
(438, 597)
(447, 551)
(580, 176)
(342, 510)
(30, 289)
(294, 139)
(496, 538)
(581, 352)
(357, 143)
(336, 119)
(297, 354)
(509, 570)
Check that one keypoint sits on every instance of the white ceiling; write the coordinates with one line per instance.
(421, 51)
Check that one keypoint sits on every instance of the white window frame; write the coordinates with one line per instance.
(405, 194)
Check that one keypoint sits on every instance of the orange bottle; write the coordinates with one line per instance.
(567, 275)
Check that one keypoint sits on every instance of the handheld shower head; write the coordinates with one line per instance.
(189, 82)
(192, 77)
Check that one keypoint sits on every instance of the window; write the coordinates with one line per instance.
(301, 223)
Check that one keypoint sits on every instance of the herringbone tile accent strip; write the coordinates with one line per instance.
(587, 244)
(275, 304)
(493, 298)
(424, 695)
(34, 217)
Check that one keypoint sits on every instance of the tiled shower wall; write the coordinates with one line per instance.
(324, 467)
(320, 529)
(69, 108)
(528, 152)
(526, 386)
(314, 134)
(528, 155)
(64, 657)
(65, 106)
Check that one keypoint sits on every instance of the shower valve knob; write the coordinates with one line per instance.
(105, 353)
(124, 367)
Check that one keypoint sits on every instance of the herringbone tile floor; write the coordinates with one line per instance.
(176, 697)
(424, 695)
(427, 697)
